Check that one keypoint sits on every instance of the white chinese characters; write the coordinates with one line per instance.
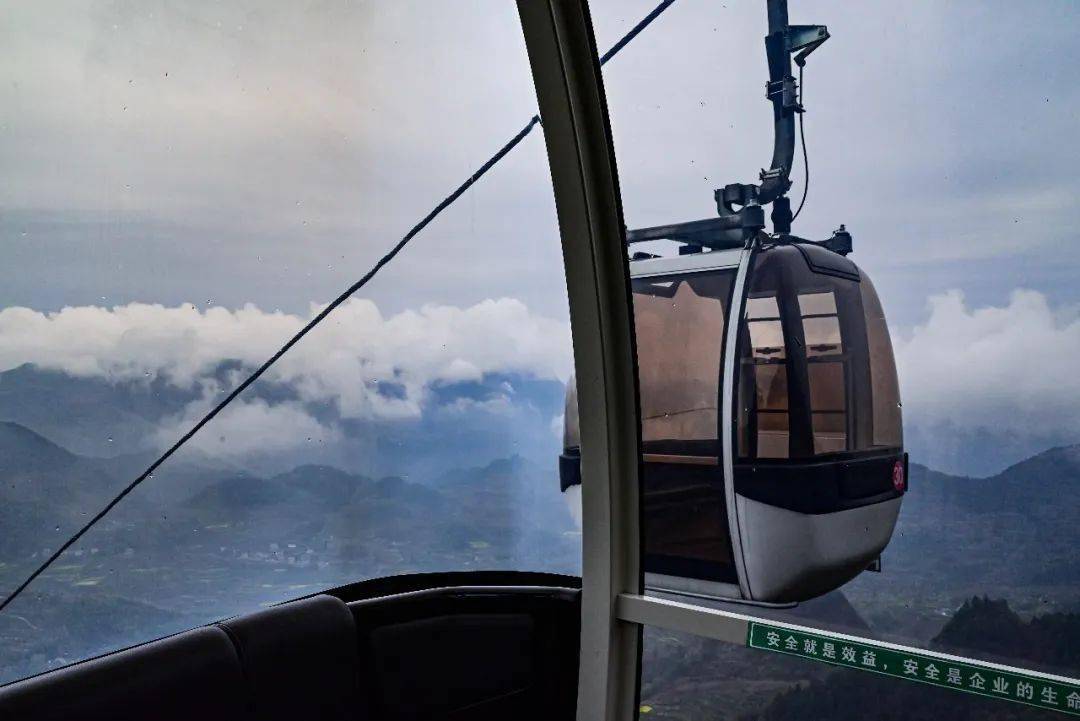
(972, 678)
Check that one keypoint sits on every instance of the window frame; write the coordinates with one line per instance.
(566, 71)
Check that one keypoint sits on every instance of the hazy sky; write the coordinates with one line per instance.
(220, 154)
(267, 152)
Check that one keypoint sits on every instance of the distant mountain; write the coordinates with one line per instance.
(90, 416)
(1034, 484)
(1049, 642)
(497, 415)
(68, 627)
(980, 451)
(22, 451)
(1011, 529)
(33, 469)
(44, 487)
(329, 484)
(243, 495)
(200, 541)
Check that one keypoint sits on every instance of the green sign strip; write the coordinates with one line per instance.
(987, 680)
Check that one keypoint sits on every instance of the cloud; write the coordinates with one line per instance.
(1009, 369)
(365, 365)
(246, 427)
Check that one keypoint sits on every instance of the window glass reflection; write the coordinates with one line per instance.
(185, 185)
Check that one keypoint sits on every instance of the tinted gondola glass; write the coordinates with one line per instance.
(816, 444)
(680, 322)
(817, 375)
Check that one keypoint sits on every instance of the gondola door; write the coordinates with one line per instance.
(813, 424)
(681, 321)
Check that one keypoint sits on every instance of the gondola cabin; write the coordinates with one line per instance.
(772, 448)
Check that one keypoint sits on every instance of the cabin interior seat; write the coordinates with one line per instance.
(440, 655)
(293, 661)
(299, 660)
(193, 675)
(449, 654)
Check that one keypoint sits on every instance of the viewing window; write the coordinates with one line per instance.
(886, 391)
(186, 185)
(680, 323)
(814, 379)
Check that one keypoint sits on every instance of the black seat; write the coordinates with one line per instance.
(299, 660)
(481, 654)
(476, 653)
(194, 675)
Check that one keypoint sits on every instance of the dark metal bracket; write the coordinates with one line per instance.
(739, 205)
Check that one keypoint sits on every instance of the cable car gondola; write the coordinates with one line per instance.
(773, 462)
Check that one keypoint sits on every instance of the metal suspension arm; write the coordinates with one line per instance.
(783, 40)
(739, 204)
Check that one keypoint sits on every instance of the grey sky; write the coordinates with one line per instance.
(269, 152)
(942, 134)
(266, 152)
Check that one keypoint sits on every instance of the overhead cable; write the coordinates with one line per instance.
(333, 305)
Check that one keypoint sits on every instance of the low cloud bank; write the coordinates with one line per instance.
(997, 371)
(368, 367)
(1006, 371)
(344, 360)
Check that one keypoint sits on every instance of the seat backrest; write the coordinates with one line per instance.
(299, 660)
(481, 654)
(193, 675)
